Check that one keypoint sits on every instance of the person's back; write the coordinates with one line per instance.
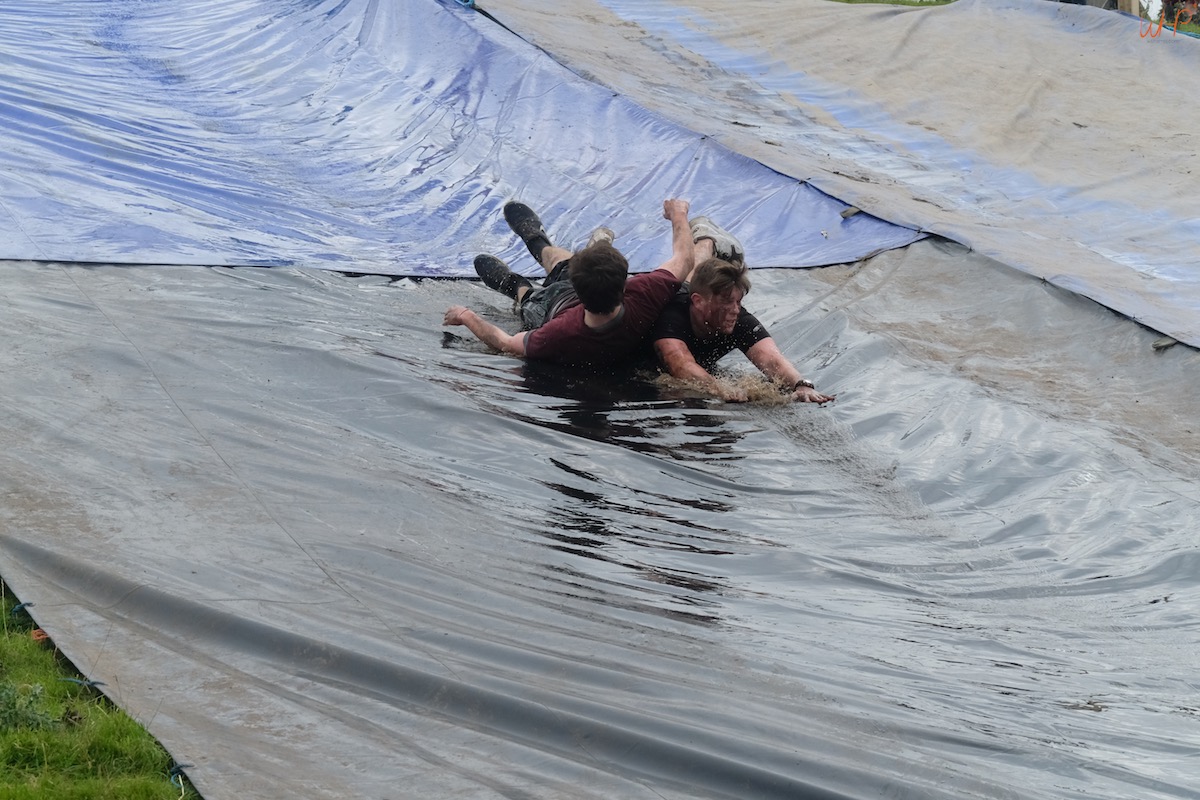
(568, 339)
(613, 316)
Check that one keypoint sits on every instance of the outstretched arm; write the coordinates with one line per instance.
(679, 361)
(682, 247)
(486, 332)
(766, 356)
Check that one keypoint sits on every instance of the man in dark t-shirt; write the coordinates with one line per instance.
(596, 317)
(705, 321)
(676, 323)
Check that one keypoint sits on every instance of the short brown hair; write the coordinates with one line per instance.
(598, 274)
(716, 276)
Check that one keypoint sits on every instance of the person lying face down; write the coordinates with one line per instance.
(706, 321)
(586, 313)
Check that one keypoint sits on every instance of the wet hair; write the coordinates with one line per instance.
(716, 276)
(598, 274)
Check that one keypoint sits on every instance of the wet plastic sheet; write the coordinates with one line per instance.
(323, 553)
(366, 136)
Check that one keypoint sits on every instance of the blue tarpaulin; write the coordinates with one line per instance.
(373, 137)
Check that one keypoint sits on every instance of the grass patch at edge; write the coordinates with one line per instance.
(65, 740)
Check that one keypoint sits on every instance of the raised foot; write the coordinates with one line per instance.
(496, 275)
(725, 244)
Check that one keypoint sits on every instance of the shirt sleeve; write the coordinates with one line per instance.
(675, 322)
(748, 331)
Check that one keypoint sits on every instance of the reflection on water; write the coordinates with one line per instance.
(648, 543)
(590, 386)
(618, 407)
(601, 522)
(631, 525)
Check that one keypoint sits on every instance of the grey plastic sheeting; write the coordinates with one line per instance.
(323, 551)
(376, 137)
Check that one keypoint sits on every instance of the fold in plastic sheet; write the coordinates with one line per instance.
(378, 137)
(1051, 137)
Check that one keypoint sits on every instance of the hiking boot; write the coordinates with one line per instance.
(525, 223)
(601, 235)
(496, 275)
(725, 246)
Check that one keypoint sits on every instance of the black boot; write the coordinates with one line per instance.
(525, 223)
(496, 275)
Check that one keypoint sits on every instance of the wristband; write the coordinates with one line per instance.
(803, 382)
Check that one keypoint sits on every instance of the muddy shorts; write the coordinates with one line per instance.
(543, 303)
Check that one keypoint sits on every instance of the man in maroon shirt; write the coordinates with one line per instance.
(587, 313)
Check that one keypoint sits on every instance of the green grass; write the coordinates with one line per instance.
(63, 740)
(1168, 28)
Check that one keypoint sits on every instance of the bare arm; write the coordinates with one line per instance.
(766, 356)
(486, 332)
(679, 361)
(683, 256)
